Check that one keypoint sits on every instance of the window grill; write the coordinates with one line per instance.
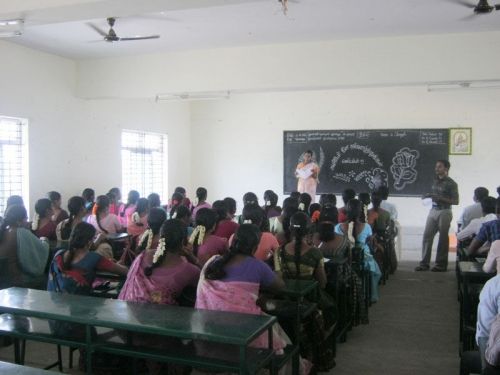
(144, 162)
(13, 159)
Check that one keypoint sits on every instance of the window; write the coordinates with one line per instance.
(13, 159)
(144, 163)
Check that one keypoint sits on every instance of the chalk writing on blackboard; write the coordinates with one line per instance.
(361, 161)
(403, 167)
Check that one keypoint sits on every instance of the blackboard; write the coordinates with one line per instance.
(402, 159)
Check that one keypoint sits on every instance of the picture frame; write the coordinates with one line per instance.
(460, 141)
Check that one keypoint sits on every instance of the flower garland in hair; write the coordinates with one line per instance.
(149, 235)
(200, 229)
(36, 221)
(365, 211)
(136, 218)
(302, 207)
(159, 250)
(350, 230)
(247, 222)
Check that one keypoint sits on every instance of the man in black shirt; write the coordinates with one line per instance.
(444, 194)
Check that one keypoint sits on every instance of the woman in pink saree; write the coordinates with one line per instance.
(231, 282)
(307, 173)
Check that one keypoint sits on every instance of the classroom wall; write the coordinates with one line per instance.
(238, 143)
(75, 143)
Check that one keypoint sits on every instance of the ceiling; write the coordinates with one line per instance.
(61, 26)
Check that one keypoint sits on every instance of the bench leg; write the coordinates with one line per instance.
(17, 352)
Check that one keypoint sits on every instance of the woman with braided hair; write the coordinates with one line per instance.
(42, 225)
(77, 212)
(102, 220)
(359, 234)
(160, 275)
(205, 243)
(150, 238)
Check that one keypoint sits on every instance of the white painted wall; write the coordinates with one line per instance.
(74, 143)
(238, 143)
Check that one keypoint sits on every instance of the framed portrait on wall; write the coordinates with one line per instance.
(460, 141)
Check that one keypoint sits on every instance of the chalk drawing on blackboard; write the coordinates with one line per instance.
(377, 178)
(403, 167)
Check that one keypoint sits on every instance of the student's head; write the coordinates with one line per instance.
(347, 195)
(180, 190)
(43, 208)
(220, 209)
(488, 205)
(325, 232)
(112, 197)
(176, 199)
(329, 198)
(81, 236)
(289, 209)
(102, 204)
(295, 195)
(172, 239)
(182, 213)
(250, 198)
(364, 198)
(142, 206)
(313, 208)
(267, 195)
(480, 193)
(89, 195)
(376, 198)
(329, 214)
(304, 202)
(299, 228)
(442, 167)
(15, 200)
(245, 242)
(154, 200)
(117, 192)
(290, 202)
(354, 209)
(156, 218)
(384, 192)
(15, 215)
(201, 194)
(76, 206)
(253, 214)
(206, 219)
(133, 197)
(55, 198)
(271, 200)
(231, 205)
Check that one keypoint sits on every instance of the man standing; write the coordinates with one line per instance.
(444, 194)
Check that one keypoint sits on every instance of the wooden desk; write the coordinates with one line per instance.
(236, 330)
(11, 369)
(117, 236)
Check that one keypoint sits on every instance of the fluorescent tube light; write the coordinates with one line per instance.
(201, 95)
(464, 85)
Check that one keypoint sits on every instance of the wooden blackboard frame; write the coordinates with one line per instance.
(381, 149)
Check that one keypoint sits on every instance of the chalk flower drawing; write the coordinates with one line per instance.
(377, 178)
(403, 167)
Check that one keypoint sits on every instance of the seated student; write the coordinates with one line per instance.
(304, 202)
(73, 270)
(295, 195)
(232, 282)
(231, 208)
(299, 260)
(139, 220)
(225, 226)
(183, 213)
(127, 210)
(115, 201)
(492, 352)
(201, 196)
(378, 218)
(26, 254)
(58, 213)
(149, 239)
(175, 202)
(359, 233)
(492, 263)
(14, 200)
(488, 207)
(487, 310)
(77, 213)
(473, 211)
(328, 199)
(314, 212)
(271, 204)
(388, 206)
(159, 275)
(103, 221)
(268, 244)
(489, 232)
(154, 201)
(42, 225)
(279, 225)
(205, 243)
(88, 195)
(347, 195)
(248, 198)
(332, 245)
(185, 200)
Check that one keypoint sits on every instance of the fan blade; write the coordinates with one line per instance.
(463, 3)
(469, 17)
(497, 6)
(139, 38)
(100, 31)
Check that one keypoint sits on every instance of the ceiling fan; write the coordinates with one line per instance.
(481, 7)
(111, 36)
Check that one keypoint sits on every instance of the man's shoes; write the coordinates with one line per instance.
(421, 268)
(438, 269)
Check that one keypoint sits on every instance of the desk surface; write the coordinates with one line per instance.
(299, 288)
(117, 236)
(473, 268)
(11, 369)
(174, 321)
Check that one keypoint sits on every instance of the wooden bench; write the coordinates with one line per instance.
(232, 331)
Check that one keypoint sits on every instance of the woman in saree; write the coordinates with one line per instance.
(26, 254)
(307, 173)
(205, 243)
(231, 282)
(42, 225)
